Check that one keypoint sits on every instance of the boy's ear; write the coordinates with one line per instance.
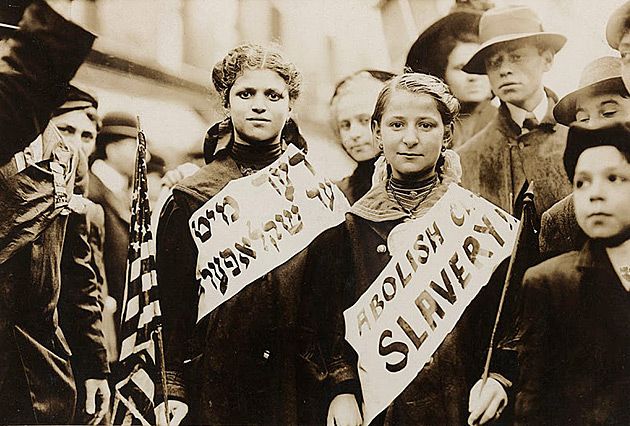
(547, 56)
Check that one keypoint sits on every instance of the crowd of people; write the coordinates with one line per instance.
(469, 109)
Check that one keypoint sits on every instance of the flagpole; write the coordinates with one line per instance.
(528, 200)
(160, 345)
(158, 332)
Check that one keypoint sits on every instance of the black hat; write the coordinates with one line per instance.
(422, 53)
(115, 126)
(76, 99)
(121, 124)
(581, 138)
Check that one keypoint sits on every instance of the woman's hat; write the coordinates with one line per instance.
(603, 75)
(618, 24)
(76, 99)
(580, 139)
(509, 23)
(423, 49)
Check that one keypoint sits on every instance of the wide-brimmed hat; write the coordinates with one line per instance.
(603, 75)
(618, 25)
(422, 52)
(509, 23)
(581, 138)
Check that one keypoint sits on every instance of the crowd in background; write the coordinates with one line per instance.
(470, 108)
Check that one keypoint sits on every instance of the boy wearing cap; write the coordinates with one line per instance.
(618, 36)
(600, 99)
(574, 354)
(110, 176)
(523, 144)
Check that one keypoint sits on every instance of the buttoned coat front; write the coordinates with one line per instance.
(498, 160)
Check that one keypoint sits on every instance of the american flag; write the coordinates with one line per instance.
(140, 354)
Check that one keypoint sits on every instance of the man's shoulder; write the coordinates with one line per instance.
(485, 137)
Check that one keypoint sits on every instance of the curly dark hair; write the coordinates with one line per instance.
(254, 56)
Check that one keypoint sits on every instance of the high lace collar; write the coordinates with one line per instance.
(219, 138)
(377, 205)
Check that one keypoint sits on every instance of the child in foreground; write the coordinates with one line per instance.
(574, 333)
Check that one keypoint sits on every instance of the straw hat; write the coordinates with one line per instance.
(603, 75)
(618, 24)
(509, 23)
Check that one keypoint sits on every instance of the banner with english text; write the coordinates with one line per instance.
(260, 221)
(439, 264)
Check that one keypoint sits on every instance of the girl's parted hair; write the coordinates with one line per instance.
(420, 84)
(254, 56)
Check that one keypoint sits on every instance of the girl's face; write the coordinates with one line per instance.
(466, 87)
(259, 105)
(601, 192)
(353, 110)
(412, 134)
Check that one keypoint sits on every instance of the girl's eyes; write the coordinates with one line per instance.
(365, 121)
(273, 96)
(396, 125)
(425, 125)
(579, 183)
(616, 178)
(244, 94)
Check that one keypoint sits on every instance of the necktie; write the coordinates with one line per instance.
(530, 122)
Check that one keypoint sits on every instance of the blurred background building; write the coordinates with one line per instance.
(153, 57)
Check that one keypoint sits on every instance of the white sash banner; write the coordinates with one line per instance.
(258, 222)
(439, 264)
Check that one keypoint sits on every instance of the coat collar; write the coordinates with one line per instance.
(377, 205)
(592, 256)
(513, 130)
(220, 138)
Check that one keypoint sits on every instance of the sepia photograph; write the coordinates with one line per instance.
(315, 212)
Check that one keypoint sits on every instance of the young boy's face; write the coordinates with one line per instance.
(515, 70)
(597, 110)
(601, 192)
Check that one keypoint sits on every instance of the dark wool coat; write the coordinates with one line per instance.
(559, 230)
(241, 364)
(574, 356)
(36, 381)
(353, 255)
(498, 160)
(359, 182)
(471, 123)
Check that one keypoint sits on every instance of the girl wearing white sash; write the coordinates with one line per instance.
(238, 364)
(412, 125)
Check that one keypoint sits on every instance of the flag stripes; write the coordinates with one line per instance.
(141, 311)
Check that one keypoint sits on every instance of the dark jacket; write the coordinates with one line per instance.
(244, 367)
(36, 381)
(353, 255)
(574, 356)
(559, 230)
(470, 123)
(117, 208)
(359, 182)
(498, 160)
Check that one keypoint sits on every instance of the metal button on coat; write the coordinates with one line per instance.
(381, 248)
